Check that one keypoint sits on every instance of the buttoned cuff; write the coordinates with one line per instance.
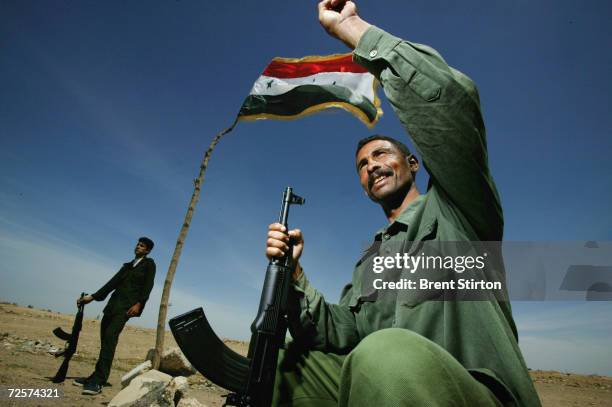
(374, 48)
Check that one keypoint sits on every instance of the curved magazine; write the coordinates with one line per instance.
(207, 353)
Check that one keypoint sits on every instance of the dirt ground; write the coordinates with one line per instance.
(26, 340)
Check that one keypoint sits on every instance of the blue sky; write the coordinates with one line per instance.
(107, 107)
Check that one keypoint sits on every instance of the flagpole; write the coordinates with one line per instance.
(163, 306)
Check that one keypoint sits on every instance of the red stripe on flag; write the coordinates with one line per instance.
(278, 69)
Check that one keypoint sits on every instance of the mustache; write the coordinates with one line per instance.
(378, 173)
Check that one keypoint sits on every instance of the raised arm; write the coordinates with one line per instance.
(439, 108)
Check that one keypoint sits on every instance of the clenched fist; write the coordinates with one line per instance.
(341, 21)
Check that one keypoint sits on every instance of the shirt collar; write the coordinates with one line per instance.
(405, 218)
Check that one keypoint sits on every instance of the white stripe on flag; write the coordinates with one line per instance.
(361, 83)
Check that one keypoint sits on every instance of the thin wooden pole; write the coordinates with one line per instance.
(163, 306)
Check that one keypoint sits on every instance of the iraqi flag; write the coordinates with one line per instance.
(292, 88)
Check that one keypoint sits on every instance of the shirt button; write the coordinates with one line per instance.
(386, 236)
(373, 53)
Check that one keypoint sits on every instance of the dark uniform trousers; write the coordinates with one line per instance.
(111, 327)
(130, 285)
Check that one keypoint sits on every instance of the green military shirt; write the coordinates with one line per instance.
(440, 109)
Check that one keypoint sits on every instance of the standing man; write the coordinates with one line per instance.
(407, 347)
(131, 285)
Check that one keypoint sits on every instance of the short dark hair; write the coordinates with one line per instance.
(400, 146)
(147, 242)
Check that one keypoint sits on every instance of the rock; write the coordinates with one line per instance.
(174, 391)
(140, 369)
(189, 402)
(179, 383)
(175, 363)
(144, 390)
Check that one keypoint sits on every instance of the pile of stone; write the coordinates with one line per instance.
(9, 341)
(166, 387)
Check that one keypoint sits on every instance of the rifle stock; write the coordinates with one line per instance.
(250, 379)
(71, 344)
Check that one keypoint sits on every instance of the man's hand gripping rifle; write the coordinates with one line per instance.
(250, 379)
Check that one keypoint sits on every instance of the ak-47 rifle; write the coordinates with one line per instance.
(71, 343)
(251, 378)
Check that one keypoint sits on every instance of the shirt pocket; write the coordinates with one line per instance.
(364, 292)
(427, 89)
(418, 248)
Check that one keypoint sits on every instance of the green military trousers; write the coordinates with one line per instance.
(110, 328)
(390, 367)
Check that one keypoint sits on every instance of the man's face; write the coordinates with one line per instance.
(384, 171)
(141, 249)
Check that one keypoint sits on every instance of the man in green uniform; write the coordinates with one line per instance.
(131, 285)
(407, 347)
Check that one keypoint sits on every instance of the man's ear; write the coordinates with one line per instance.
(413, 163)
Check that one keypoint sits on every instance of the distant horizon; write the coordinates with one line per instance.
(134, 323)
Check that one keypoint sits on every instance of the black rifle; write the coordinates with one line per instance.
(251, 378)
(71, 343)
